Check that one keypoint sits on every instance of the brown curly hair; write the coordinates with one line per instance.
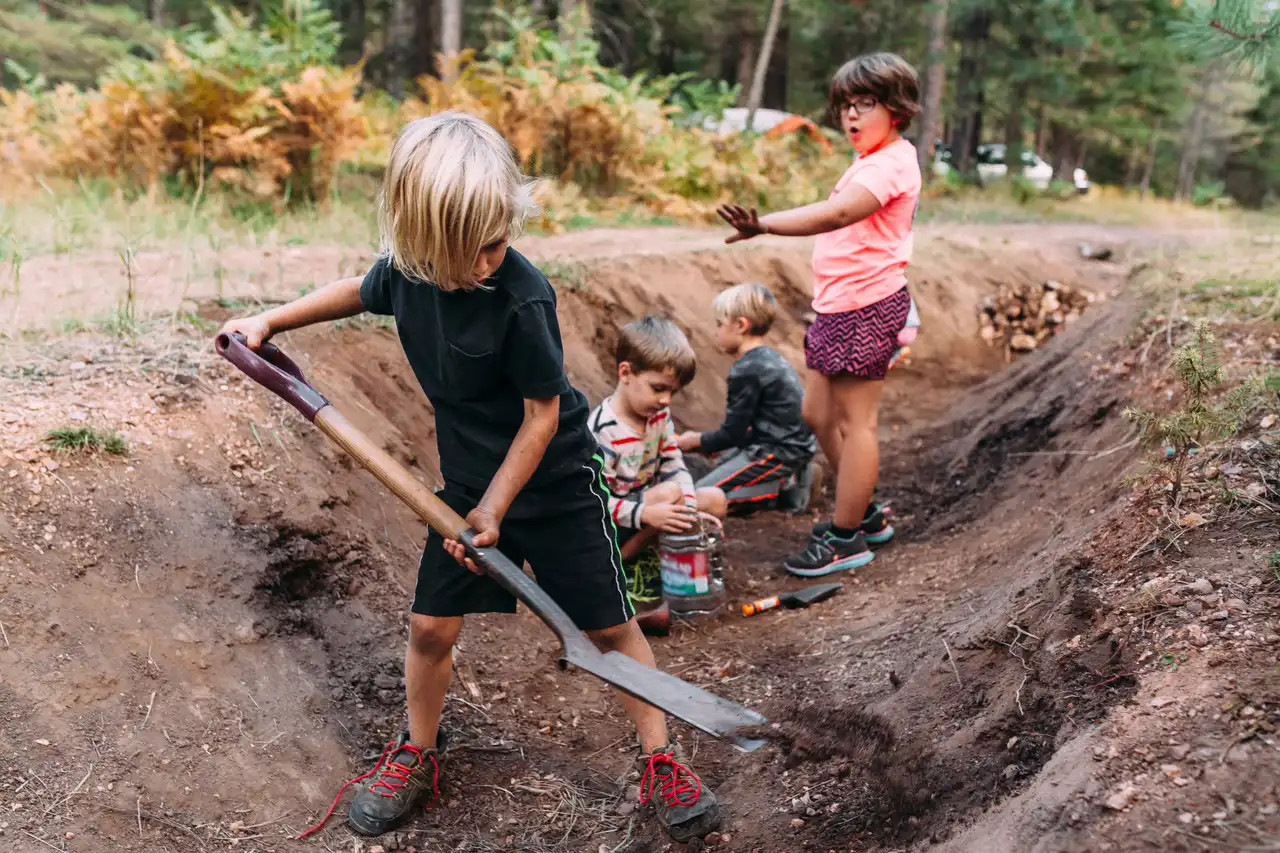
(887, 77)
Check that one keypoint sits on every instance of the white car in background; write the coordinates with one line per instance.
(992, 167)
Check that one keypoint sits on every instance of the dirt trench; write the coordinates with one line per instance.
(214, 627)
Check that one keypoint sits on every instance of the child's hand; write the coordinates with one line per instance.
(689, 440)
(256, 330)
(669, 518)
(745, 221)
(485, 524)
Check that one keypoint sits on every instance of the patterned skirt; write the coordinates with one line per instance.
(858, 343)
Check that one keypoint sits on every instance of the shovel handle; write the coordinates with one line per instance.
(276, 372)
(273, 370)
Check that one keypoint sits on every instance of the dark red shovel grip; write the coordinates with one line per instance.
(273, 370)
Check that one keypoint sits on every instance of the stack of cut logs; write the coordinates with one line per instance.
(1023, 316)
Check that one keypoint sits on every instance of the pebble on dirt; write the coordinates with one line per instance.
(1120, 799)
(1201, 587)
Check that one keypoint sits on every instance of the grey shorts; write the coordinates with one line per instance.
(751, 477)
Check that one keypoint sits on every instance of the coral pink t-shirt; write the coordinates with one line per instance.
(860, 264)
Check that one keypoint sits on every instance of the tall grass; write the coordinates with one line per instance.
(88, 215)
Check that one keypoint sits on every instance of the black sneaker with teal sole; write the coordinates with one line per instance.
(827, 554)
(875, 526)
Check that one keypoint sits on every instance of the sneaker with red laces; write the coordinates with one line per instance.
(686, 808)
(406, 779)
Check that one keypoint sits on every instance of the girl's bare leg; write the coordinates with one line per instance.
(857, 402)
(822, 417)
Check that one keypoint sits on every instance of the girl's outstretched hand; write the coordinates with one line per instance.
(746, 222)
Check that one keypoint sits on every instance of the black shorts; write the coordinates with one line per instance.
(565, 534)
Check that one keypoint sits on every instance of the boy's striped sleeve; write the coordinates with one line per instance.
(625, 511)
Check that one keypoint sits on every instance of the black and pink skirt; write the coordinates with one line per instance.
(858, 343)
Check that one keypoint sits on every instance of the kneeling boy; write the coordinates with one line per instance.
(770, 445)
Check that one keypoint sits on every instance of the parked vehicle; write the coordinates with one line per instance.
(992, 167)
(1081, 180)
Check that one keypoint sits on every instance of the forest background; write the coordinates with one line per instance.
(273, 105)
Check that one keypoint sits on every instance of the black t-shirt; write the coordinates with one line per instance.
(478, 354)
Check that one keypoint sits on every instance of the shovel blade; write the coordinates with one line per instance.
(697, 707)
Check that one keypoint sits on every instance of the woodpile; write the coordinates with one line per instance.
(1021, 317)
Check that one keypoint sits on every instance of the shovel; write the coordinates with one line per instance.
(799, 598)
(276, 372)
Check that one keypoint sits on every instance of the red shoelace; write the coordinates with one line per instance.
(394, 776)
(675, 785)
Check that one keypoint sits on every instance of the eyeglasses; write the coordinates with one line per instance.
(862, 104)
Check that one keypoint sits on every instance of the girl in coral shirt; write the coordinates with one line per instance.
(860, 296)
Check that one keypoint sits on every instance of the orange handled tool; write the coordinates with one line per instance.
(754, 607)
(799, 598)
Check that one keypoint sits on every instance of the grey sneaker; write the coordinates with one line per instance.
(827, 554)
(875, 525)
(686, 808)
(406, 778)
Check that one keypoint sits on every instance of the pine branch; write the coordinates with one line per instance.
(1242, 31)
(1261, 35)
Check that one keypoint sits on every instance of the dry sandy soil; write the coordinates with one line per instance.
(202, 640)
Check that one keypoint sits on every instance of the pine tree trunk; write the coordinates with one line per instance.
(426, 40)
(1192, 140)
(1150, 166)
(1042, 133)
(451, 27)
(1013, 142)
(775, 78)
(746, 65)
(1064, 147)
(353, 17)
(1132, 164)
(762, 62)
(401, 22)
(967, 129)
(935, 76)
(156, 12)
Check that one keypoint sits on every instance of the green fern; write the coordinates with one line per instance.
(306, 28)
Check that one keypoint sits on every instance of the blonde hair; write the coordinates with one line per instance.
(752, 301)
(656, 343)
(452, 187)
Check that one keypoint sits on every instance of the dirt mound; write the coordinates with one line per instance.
(813, 733)
(213, 626)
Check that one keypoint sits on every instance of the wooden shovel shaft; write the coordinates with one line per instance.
(437, 514)
(392, 474)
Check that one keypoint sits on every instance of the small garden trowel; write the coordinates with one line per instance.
(799, 598)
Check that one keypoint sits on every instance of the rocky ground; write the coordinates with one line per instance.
(200, 639)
